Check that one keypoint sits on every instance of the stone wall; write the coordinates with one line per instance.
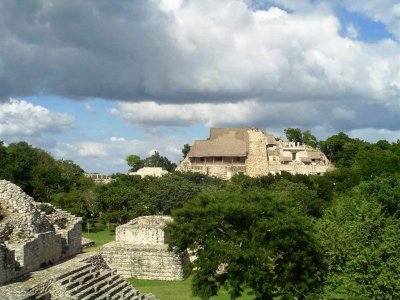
(140, 251)
(30, 239)
(257, 161)
(147, 230)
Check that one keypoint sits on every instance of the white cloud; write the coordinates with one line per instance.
(103, 156)
(373, 135)
(88, 107)
(117, 139)
(24, 119)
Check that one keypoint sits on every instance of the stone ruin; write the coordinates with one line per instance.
(30, 239)
(35, 255)
(140, 251)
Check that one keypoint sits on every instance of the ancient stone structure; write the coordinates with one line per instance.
(99, 178)
(30, 239)
(229, 151)
(140, 251)
(149, 171)
(37, 242)
(86, 276)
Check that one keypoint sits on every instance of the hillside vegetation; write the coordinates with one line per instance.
(334, 236)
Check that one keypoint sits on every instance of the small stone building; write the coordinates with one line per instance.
(229, 151)
(140, 251)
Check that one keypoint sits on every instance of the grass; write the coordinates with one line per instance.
(100, 235)
(176, 290)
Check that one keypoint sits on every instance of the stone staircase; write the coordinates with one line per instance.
(89, 282)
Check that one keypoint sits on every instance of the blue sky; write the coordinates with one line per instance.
(95, 81)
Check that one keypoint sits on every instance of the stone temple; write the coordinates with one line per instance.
(140, 251)
(40, 255)
(229, 151)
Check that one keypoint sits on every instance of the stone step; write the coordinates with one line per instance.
(84, 266)
(117, 289)
(103, 287)
(84, 289)
(82, 280)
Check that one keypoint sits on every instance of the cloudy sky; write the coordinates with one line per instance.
(96, 80)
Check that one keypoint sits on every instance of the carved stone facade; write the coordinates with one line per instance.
(30, 239)
(140, 251)
(229, 151)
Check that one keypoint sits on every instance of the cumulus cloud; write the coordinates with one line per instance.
(187, 51)
(23, 119)
(103, 156)
(343, 115)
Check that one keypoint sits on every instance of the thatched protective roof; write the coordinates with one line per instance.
(270, 139)
(222, 142)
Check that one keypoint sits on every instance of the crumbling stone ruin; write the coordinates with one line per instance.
(86, 276)
(229, 151)
(99, 178)
(140, 251)
(30, 239)
(37, 242)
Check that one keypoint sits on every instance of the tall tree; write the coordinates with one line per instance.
(185, 150)
(156, 160)
(245, 240)
(294, 134)
(135, 162)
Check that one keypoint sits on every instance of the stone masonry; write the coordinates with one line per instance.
(30, 239)
(35, 255)
(229, 151)
(140, 251)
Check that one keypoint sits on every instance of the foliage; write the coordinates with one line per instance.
(294, 135)
(135, 162)
(360, 249)
(262, 241)
(185, 150)
(299, 136)
(155, 160)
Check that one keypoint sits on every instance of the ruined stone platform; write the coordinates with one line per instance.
(140, 251)
(86, 276)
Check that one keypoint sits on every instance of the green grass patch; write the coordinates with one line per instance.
(100, 234)
(176, 290)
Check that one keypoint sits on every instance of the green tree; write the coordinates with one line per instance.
(156, 160)
(294, 135)
(245, 240)
(135, 162)
(20, 161)
(185, 150)
(71, 174)
(361, 249)
(309, 139)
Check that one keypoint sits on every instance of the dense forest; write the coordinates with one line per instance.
(287, 236)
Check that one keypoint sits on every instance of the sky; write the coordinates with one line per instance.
(94, 81)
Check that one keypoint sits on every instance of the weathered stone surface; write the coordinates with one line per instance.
(140, 251)
(30, 239)
(86, 276)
